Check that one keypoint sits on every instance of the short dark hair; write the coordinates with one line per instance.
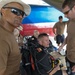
(60, 17)
(69, 3)
(42, 35)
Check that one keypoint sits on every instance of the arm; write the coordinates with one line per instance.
(54, 70)
(54, 29)
(73, 68)
(3, 56)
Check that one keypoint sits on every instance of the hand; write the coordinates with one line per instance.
(54, 70)
(73, 68)
(60, 48)
(55, 37)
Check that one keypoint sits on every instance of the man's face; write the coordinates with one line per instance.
(36, 33)
(45, 41)
(60, 20)
(69, 12)
(11, 15)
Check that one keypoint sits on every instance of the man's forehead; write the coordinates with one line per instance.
(11, 4)
(15, 5)
(66, 8)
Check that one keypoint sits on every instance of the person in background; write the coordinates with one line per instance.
(26, 54)
(58, 30)
(11, 14)
(68, 8)
(33, 38)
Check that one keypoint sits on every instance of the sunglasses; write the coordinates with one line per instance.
(16, 11)
(68, 10)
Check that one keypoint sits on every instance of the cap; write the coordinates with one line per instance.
(27, 8)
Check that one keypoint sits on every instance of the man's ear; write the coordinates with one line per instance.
(40, 42)
(2, 11)
(74, 7)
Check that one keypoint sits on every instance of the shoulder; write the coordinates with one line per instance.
(56, 24)
(5, 35)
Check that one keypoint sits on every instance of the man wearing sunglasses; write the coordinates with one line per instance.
(68, 8)
(11, 14)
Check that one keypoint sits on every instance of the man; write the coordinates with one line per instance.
(68, 8)
(58, 30)
(12, 12)
(43, 65)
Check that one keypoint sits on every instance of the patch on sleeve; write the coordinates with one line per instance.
(32, 38)
(39, 49)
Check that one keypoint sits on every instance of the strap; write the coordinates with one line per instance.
(32, 62)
